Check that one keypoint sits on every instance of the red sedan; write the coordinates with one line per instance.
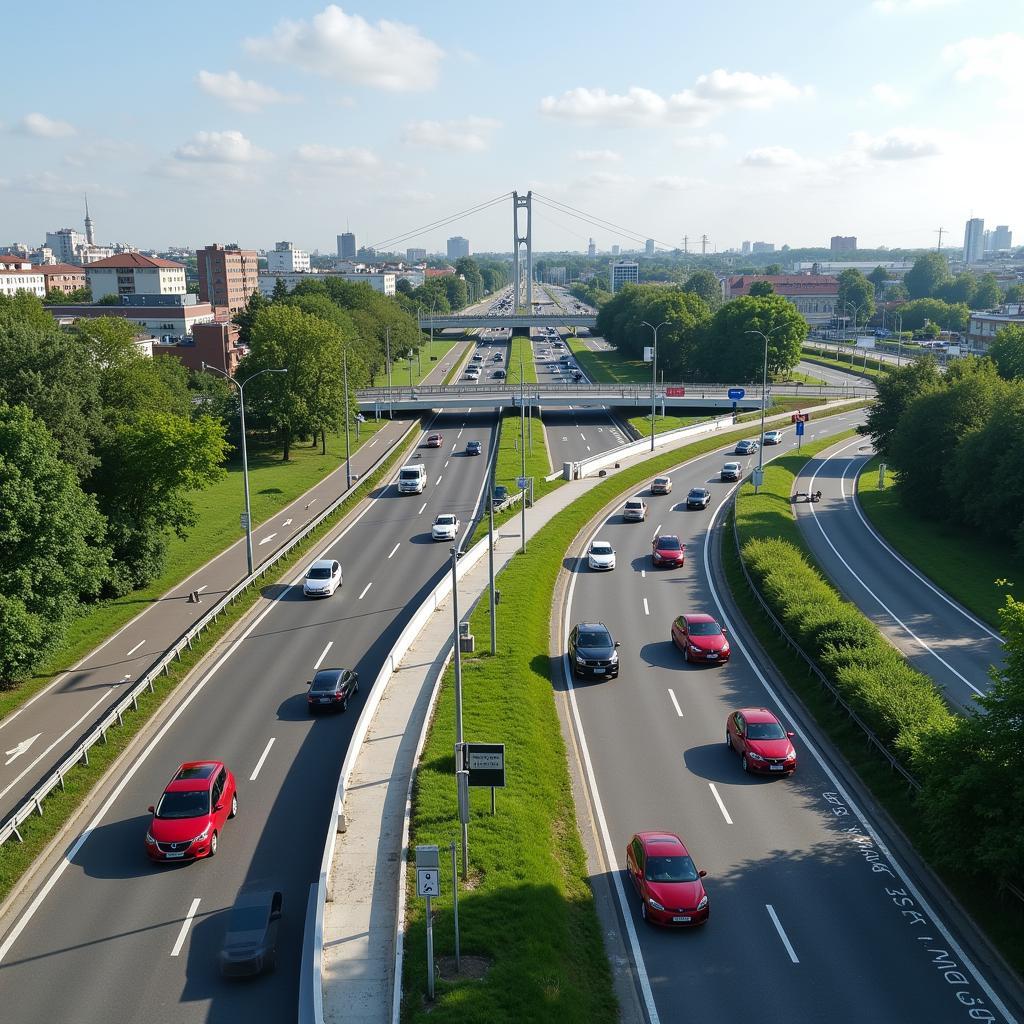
(701, 638)
(763, 745)
(187, 822)
(668, 550)
(670, 887)
(434, 441)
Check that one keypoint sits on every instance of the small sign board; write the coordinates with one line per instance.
(243, 521)
(521, 481)
(428, 882)
(675, 391)
(799, 428)
(757, 477)
(648, 353)
(485, 763)
(800, 417)
(735, 394)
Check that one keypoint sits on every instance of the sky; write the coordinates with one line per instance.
(253, 122)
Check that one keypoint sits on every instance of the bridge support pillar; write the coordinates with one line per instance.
(518, 240)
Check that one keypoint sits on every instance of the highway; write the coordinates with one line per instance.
(937, 635)
(817, 912)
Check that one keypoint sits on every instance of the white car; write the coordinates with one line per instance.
(446, 527)
(601, 555)
(323, 578)
(635, 510)
(773, 437)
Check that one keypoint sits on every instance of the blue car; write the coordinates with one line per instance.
(474, 448)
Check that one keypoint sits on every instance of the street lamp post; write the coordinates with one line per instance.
(387, 343)
(522, 445)
(245, 455)
(458, 692)
(490, 566)
(348, 443)
(899, 338)
(856, 317)
(764, 400)
(654, 374)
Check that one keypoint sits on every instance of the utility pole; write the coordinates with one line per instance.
(703, 245)
(939, 233)
(522, 443)
(458, 693)
(348, 445)
(387, 342)
(490, 566)
(686, 245)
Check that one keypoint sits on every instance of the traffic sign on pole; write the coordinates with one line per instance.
(799, 428)
(735, 394)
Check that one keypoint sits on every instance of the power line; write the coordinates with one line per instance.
(600, 221)
(443, 222)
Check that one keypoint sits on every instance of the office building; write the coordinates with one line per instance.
(591, 249)
(649, 247)
(131, 273)
(616, 250)
(347, 245)
(745, 248)
(284, 258)
(227, 275)
(166, 316)
(215, 344)
(1002, 237)
(63, 277)
(65, 244)
(623, 272)
(458, 247)
(763, 247)
(18, 275)
(843, 243)
(415, 255)
(974, 240)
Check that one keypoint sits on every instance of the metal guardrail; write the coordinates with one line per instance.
(33, 803)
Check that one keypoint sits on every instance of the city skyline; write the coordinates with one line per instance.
(333, 120)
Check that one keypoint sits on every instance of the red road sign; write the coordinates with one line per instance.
(800, 417)
(675, 392)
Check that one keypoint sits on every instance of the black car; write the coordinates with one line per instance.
(250, 942)
(330, 689)
(592, 651)
(498, 375)
(474, 448)
(497, 357)
(698, 497)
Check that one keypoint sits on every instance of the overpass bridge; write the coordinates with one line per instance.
(697, 399)
(522, 321)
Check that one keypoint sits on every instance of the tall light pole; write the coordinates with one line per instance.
(348, 443)
(856, 317)
(245, 456)
(458, 692)
(764, 399)
(654, 373)
(522, 443)
(899, 338)
(387, 356)
(490, 566)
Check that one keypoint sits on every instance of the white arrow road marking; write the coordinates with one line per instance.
(287, 522)
(185, 926)
(20, 748)
(268, 539)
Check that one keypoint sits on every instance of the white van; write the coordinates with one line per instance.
(412, 478)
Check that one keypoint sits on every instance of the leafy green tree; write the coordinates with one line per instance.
(456, 291)
(705, 284)
(245, 317)
(52, 551)
(1014, 293)
(896, 391)
(109, 300)
(404, 286)
(729, 353)
(878, 277)
(56, 297)
(988, 294)
(949, 317)
(467, 267)
(928, 274)
(1007, 351)
(961, 289)
(759, 289)
(773, 269)
(280, 290)
(897, 292)
(857, 293)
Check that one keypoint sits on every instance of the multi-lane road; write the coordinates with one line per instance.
(817, 912)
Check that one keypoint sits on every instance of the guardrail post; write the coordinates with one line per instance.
(85, 756)
(17, 834)
(39, 806)
(149, 680)
(135, 701)
(120, 720)
(103, 735)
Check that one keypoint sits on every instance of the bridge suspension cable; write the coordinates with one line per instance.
(596, 221)
(444, 221)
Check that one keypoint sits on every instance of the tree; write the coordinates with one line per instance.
(1007, 351)
(730, 354)
(245, 317)
(467, 267)
(280, 290)
(858, 293)
(705, 284)
(759, 289)
(878, 277)
(1014, 293)
(52, 551)
(109, 300)
(987, 295)
(949, 317)
(773, 269)
(404, 286)
(896, 391)
(961, 288)
(927, 275)
(56, 297)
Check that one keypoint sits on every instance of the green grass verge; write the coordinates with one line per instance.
(520, 348)
(875, 367)
(400, 376)
(769, 514)
(608, 366)
(16, 858)
(976, 571)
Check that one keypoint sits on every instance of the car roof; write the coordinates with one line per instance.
(757, 715)
(732, 464)
(701, 490)
(662, 843)
(666, 536)
(592, 625)
(635, 501)
(329, 673)
(194, 775)
(699, 617)
(323, 563)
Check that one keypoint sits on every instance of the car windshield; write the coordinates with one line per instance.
(409, 474)
(594, 638)
(661, 480)
(319, 572)
(668, 544)
(704, 629)
(446, 520)
(697, 492)
(634, 504)
(600, 548)
(765, 731)
(324, 682)
(184, 803)
(247, 919)
(671, 869)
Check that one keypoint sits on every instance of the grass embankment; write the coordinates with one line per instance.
(607, 365)
(16, 858)
(973, 569)
(769, 516)
(848, 361)
(421, 366)
(520, 348)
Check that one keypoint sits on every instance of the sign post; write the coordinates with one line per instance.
(881, 475)
(455, 908)
(735, 394)
(799, 434)
(485, 766)
(428, 885)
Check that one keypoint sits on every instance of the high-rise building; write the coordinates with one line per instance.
(649, 247)
(763, 247)
(285, 258)
(622, 272)
(974, 240)
(347, 245)
(415, 255)
(227, 275)
(616, 250)
(66, 244)
(591, 249)
(458, 247)
(843, 243)
(1002, 237)
(745, 248)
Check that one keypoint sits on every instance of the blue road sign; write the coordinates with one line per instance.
(736, 393)
(799, 428)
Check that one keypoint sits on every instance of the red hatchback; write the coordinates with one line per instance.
(763, 745)
(187, 822)
(670, 887)
(701, 638)
(668, 550)
(434, 441)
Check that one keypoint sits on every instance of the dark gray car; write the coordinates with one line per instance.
(330, 689)
(592, 651)
(250, 942)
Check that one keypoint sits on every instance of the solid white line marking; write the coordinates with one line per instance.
(647, 611)
(439, 479)
(421, 510)
(721, 806)
(185, 926)
(372, 443)
(446, 463)
(320, 660)
(365, 589)
(782, 934)
(135, 648)
(675, 704)
(263, 757)
(199, 590)
(268, 539)
(395, 548)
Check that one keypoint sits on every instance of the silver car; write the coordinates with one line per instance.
(635, 510)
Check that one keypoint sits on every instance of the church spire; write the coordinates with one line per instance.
(88, 224)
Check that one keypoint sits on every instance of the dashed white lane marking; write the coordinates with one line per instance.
(135, 648)
(263, 757)
(445, 466)
(643, 574)
(421, 510)
(199, 590)
(320, 660)
(782, 934)
(721, 805)
(675, 704)
(588, 447)
(183, 934)
(647, 611)
(583, 436)
(395, 548)
(439, 479)
(365, 589)
(372, 443)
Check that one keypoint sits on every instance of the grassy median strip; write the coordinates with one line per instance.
(432, 352)
(36, 831)
(608, 366)
(875, 367)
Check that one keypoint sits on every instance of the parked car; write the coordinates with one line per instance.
(666, 880)
(747, 447)
(661, 485)
(773, 437)
(667, 549)
(635, 510)
(330, 689)
(601, 555)
(446, 526)
(592, 651)
(250, 941)
(323, 578)
(435, 441)
(192, 811)
(474, 448)
(760, 740)
(731, 471)
(701, 638)
(698, 497)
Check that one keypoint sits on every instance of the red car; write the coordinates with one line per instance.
(700, 638)
(670, 887)
(187, 822)
(435, 441)
(668, 550)
(763, 745)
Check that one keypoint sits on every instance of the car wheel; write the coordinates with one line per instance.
(744, 763)
(234, 805)
(686, 654)
(213, 845)
(643, 910)
(728, 739)
(344, 705)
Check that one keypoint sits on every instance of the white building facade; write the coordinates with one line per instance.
(623, 272)
(284, 258)
(18, 275)
(131, 273)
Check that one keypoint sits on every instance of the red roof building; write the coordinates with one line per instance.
(814, 295)
(131, 273)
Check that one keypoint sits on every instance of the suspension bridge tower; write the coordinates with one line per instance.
(518, 240)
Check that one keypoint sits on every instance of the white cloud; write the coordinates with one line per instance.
(711, 95)
(230, 147)
(710, 140)
(43, 127)
(888, 95)
(772, 156)
(910, 6)
(673, 183)
(49, 184)
(606, 156)
(238, 92)
(898, 144)
(389, 55)
(469, 135)
(600, 179)
(353, 157)
(999, 59)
